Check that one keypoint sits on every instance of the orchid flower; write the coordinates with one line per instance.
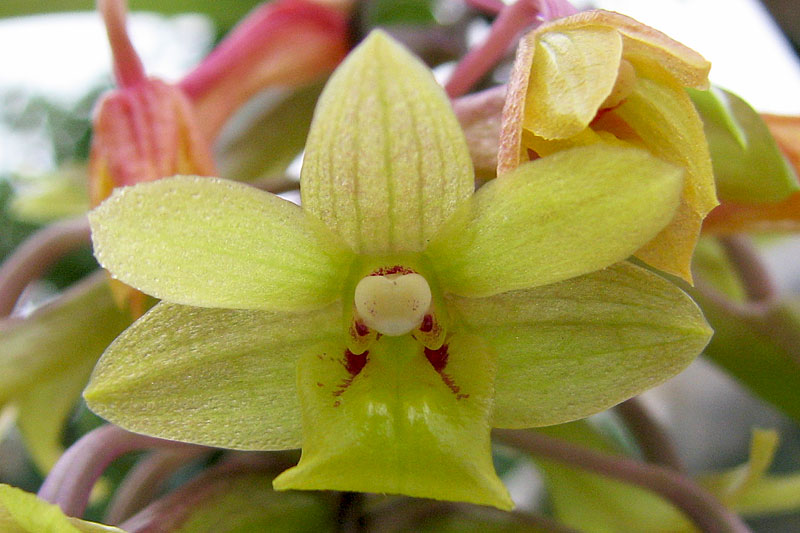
(602, 77)
(397, 317)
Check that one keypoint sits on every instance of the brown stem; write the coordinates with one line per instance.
(652, 437)
(36, 255)
(755, 278)
(705, 510)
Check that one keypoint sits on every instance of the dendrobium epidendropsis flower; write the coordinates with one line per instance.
(603, 77)
(387, 325)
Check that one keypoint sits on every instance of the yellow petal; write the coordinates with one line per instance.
(665, 120)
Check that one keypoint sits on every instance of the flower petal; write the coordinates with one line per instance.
(46, 359)
(216, 243)
(561, 216)
(665, 119)
(424, 432)
(23, 512)
(575, 72)
(386, 162)
(578, 347)
(217, 377)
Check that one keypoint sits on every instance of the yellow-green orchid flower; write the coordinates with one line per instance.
(387, 325)
(601, 77)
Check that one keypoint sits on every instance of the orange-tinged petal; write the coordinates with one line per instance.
(665, 120)
(283, 43)
(786, 131)
(145, 133)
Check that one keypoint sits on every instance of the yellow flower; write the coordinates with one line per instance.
(603, 77)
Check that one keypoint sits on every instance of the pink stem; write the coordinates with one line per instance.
(705, 510)
(70, 482)
(512, 20)
(36, 255)
(128, 68)
(492, 7)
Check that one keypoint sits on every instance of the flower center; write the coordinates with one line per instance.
(393, 304)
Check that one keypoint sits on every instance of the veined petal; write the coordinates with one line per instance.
(218, 377)
(575, 71)
(575, 348)
(23, 512)
(561, 216)
(216, 243)
(386, 162)
(398, 425)
(665, 119)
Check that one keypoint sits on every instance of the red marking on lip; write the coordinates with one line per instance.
(427, 324)
(361, 329)
(396, 269)
(353, 363)
(438, 360)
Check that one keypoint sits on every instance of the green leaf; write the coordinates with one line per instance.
(216, 243)
(560, 216)
(218, 377)
(575, 348)
(225, 13)
(46, 359)
(399, 425)
(748, 165)
(401, 12)
(386, 161)
(23, 512)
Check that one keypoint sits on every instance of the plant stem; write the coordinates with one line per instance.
(700, 506)
(509, 23)
(70, 482)
(36, 255)
(755, 278)
(656, 445)
(144, 481)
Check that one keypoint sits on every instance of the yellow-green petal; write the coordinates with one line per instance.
(578, 347)
(386, 162)
(46, 360)
(217, 377)
(399, 426)
(215, 243)
(23, 512)
(561, 216)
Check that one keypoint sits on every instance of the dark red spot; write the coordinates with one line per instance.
(361, 328)
(532, 155)
(396, 269)
(427, 324)
(320, 384)
(438, 360)
(353, 363)
(438, 357)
